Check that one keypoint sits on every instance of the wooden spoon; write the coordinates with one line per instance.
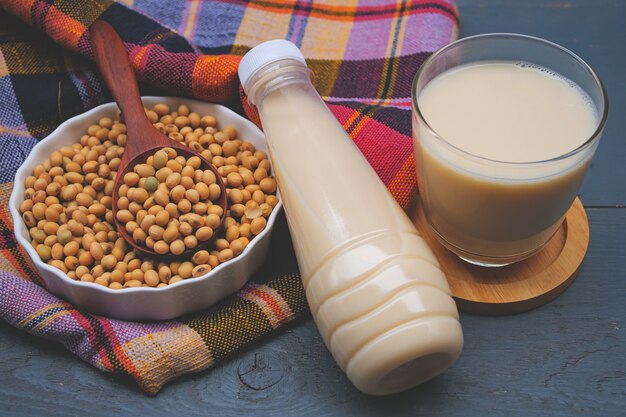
(143, 139)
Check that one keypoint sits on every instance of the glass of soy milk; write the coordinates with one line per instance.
(504, 128)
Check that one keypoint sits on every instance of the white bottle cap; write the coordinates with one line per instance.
(266, 53)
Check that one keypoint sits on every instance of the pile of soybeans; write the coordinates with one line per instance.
(68, 199)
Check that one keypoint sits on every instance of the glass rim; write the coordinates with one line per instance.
(505, 35)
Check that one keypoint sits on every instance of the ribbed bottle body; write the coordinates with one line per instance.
(375, 289)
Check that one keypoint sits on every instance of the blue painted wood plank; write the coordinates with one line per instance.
(567, 358)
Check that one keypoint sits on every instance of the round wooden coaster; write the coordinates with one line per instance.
(521, 286)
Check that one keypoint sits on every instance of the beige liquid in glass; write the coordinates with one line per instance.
(514, 113)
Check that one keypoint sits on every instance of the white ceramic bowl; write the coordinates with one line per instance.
(143, 303)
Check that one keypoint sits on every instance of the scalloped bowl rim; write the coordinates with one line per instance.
(83, 118)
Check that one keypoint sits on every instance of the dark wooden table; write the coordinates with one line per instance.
(567, 358)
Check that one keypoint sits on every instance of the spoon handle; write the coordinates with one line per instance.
(116, 69)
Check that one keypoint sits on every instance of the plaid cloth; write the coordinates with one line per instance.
(363, 54)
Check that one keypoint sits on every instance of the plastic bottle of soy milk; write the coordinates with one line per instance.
(375, 289)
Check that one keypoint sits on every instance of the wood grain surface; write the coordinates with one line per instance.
(521, 286)
(143, 139)
(567, 358)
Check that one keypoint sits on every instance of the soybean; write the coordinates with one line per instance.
(67, 202)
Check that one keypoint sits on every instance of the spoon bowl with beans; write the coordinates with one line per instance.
(167, 199)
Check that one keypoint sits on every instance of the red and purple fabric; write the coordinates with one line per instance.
(363, 55)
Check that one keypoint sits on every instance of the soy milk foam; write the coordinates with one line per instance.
(509, 112)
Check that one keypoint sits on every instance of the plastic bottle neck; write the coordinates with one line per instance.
(275, 75)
